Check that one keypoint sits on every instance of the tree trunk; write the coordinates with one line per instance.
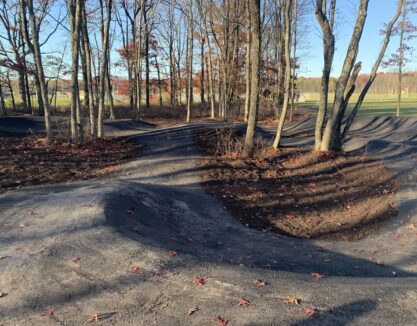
(255, 18)
(34, 45)
(74, 10)
(105, 28)
(332, 134)
(247, 66)
(190, 61)
(88, 63)
(326, 25)
(287, 42)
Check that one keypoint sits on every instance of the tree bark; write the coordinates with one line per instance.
(255, 18)
(287, 82)
(32, 41)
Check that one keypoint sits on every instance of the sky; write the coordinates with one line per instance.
(311, 47)
(379, 12)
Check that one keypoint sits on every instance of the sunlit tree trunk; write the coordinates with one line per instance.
(287, 81)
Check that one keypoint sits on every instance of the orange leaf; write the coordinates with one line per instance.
(192, 310)
(260, 283)
(198, 281)
(317, 276)
(291, 299)
(136, 268)
(219, 321)
(308, 311)
(244, 303)
(93, 318)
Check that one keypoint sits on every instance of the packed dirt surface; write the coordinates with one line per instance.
(298, 192)
(28, 161)
(147, 245)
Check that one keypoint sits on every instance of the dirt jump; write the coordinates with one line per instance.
(147, 245)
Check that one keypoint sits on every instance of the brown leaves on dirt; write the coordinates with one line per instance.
(243, 303)
(192, 310)
(28, 161)
(260, 283)
(48, 312)
(219, 321)
(289, 189)
(308, 311)
(199, 281)
(317, 276)
(292, 300)
(136, 268)
(95, 317)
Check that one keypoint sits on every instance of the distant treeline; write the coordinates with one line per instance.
(385, 83)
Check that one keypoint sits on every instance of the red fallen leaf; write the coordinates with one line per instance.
(317, 276)
(309, 311)
(173, 253)
(198, 281)
(48, 312)
(219, 321)
(244, 303)
(260, 283)
(135, 268)
(93, 318)
(75, 259)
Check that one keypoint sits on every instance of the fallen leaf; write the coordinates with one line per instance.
(260, 283)
(2, 257)
(308, 311)
(291, 299)
(192, 310)
(317, 276)
(173, 253)
(48, 312)
(411, 226)
(243, 302)
(75, 259)
(198, 281)
(219, 321)
(136, 268)
(93, 318)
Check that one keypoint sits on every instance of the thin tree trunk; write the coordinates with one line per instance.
(34, 45)
(255, 18)
(248, 66)
(105, 28)
(294, 59)
(287, 42)
(190, 61)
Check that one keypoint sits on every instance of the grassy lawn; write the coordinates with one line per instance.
(375, 104)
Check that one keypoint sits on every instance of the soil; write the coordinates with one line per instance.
(29, 161)
(298, 192)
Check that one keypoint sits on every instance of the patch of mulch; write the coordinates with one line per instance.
(28, 161)
(299, 192)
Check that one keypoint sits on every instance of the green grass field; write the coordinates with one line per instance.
(374, 104)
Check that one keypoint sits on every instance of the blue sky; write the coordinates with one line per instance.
(310, 52)
(380, 12)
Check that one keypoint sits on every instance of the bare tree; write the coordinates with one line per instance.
(32, 41)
